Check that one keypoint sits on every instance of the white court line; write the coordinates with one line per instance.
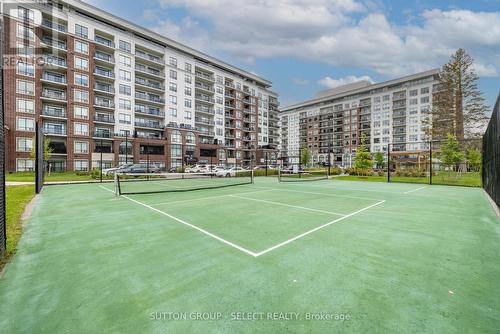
(288, 205)
(244, 250)
(410, 191)
(208, 197)
(191, 225)
(324, 194)
(315, 229)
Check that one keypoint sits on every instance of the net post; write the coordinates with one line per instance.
(117, 185)
(388, 162)
(100, 162)
(430, 161)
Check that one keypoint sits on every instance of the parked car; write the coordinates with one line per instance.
(139, 168)
(111, 171)
(230, 172)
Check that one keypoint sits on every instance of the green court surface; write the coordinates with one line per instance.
(270, 257)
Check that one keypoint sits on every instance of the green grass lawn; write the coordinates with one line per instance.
(30, 177)
(17, 198)
(471, 179)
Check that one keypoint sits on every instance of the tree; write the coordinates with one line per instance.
(451, 154)
(458, 105)
(379, 160)
(474, 159)
(305, 156)
(47, 149)
(363, 159)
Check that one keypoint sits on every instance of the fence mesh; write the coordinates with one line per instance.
(491, 156)
(3, 226)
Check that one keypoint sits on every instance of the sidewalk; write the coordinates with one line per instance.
(15, 183)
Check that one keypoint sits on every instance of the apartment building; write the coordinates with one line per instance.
(394, 112)
(103, 87)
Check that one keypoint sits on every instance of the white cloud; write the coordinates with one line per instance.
(329, 82)
(338, 32)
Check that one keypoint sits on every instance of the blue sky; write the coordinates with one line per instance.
(304, 46)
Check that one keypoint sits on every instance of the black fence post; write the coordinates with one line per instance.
(126, 147)
(266, 163)
(430, 162)
(100, 163)
(388, 163)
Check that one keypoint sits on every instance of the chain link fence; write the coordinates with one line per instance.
(491, 156)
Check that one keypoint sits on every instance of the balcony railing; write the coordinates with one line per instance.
(205, 109)
(204, 98)
(103, 134)
(54, 95)
(105, 73)
(53, 112)
(204, 87)
(152, 71)
(54, 61)
(204, 76)
(105, 57)
(55, 26)
(54, 43)
(149, 97)
(204, 121)
(149, 111)
(153, 125)
(104, 41)
(155, 85)
(149, 57)
(104, 103)
(54, 78)
(51, 130)
(104, 88)
(104, 118)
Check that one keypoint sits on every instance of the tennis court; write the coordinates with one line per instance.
(266, 256)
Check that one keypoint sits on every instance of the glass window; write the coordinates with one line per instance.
(173, 61)
(26, 106)
(25, 32)
(124, 104)
(81, 112)
(25, 14)
(190, 138)
(125, 61)
(125, 89)
(25, 165)
(173, 87)
(175, 136)
(424, 90)
(188, 67)
(81, 47)
(81, 63)
(187, 91)
(173, 74)
(81, 129)
(26, 69)
(81, 79)
(187, 103)
(81, 147)
(24, 144)
(82, 165)
(125, 75)
(124, 119)
(125, 46)
(25, 124)
(81, 96)
(176, 150)
(81, 31)
(25, 87)
(173, 112)
(173, 99)
(188, 115)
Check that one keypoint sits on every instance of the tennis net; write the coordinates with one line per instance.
(303, 175)
(150, 183)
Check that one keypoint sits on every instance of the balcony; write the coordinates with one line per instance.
(229, 115)
(149, 125)
(399, 96)
(204, 98)
(59, 80)
(399, 114)
(229, 105)
(54, 44)
(229, 84)
(53, 112)
(206, 88)
(53, 61)
(104, 42)
(204, 76)
(104, 103)
(54, 130)
(100, 118)
(149, 98)
(103, 135)
(104, 73)
(150, 71)
(205, 121)
(149, 84)
(54, 26)
(207, 133)
(54, 95)
(150, 111)
(104, 88)
(149, 58)
(204, 109)
(104, 57)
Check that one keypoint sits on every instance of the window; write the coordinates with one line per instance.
(413, 101)
(124, 119)
(81, 31)
(175, 136)
(81, 47)
(220, 79)
(218, 121)
(125, 46)
(81, 96)
(26, 69)
(25, 124)
(173, 99)
(81, 147)
(187, 103)
(424, 90)
(25, 87)
(187, 91)
(125, 89)
(219, 100)
(124, 104)
(173, 74)
(125, 75)
(81, 79)
(82, 165)
(25, 49)
(81, 112)
(25, 165)
(218, 131)
(125, 61)
(24, 144)
(173, 112)
(173, 87)
(219, 89)
(81, 129)
(188, 67)
(27, 106)
(188, 115)
(81, 63)
(25, 32)
(188, 79)
(414, 92)
(424, 99)
(25, 14)
(173, 62)
(176, 150)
